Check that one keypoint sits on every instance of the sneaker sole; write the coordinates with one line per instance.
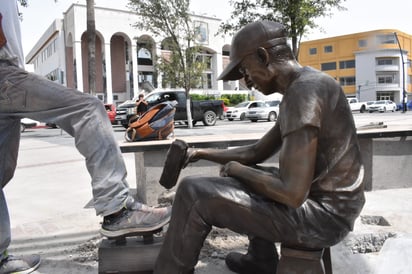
(133, 230)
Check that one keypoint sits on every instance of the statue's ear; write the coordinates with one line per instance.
(263, 55)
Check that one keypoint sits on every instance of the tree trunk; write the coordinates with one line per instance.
(189, 110)
(91, 45)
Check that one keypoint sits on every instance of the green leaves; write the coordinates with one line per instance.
(22, 3)
(170, 20)
(298, 16)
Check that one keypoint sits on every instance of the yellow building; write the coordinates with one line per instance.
(368, 65)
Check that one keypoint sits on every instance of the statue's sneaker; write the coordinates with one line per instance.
(247, 264)
(19, 264)
(135, 220)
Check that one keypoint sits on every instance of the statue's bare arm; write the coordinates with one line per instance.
(297, 159)
(252, 154)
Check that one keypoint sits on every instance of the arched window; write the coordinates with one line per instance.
(145, 57)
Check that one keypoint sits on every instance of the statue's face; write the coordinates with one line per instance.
(258, 75)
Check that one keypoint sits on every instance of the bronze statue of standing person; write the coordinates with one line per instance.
(310, 201)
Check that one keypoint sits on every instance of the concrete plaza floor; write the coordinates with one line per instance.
(51, 187)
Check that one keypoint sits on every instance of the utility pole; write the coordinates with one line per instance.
(403, 75)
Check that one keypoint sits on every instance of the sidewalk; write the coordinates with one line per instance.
(68, 243)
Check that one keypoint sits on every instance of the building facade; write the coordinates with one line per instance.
(374, 65)
(125, 56)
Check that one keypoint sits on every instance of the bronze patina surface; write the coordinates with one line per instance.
(310, 201)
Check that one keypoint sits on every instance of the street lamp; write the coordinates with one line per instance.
(403, 75)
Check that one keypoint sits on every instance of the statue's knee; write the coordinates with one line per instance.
(187, 187)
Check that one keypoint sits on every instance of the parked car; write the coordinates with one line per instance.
(26, 123)
(269, 111)
(383, 106)
(225, 108)
(356, 105)
(111, 112)
(239, 111)
(368, 104)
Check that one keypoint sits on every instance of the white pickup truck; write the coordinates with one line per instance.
(355, 105)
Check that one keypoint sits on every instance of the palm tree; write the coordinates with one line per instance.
(91, 45)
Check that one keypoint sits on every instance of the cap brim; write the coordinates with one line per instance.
(231, 72)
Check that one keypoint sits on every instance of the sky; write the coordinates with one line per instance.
(361, 15)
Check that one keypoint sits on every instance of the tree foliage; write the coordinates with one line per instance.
(170, 19)
(298, 16)
(23, 3)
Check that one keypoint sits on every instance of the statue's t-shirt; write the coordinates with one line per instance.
(316, 99)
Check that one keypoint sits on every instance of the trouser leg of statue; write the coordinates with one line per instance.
(203, 202)
(261, 257)
(198, 202)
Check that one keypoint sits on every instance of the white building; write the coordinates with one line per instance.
(125, 56)
(372, 65)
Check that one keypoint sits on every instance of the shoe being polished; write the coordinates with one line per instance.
(19, 264)
(247, 264)
(135, 219)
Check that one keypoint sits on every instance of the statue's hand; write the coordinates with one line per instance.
(191, 156)
(228, 168)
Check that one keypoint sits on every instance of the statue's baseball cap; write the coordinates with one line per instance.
(265, 34)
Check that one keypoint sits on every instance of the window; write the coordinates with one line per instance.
(53, 75)
(206, 78)
(386, 79)
(347, 64)
(144, 57)
(313, 51)
(208, 61)
(205, 81)
(384, 61)
(328, 49)
(328, 66)
(205, 59)
(145, 76)
(386, 39)
(347, 81)
(385, 95)
(362, 43)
